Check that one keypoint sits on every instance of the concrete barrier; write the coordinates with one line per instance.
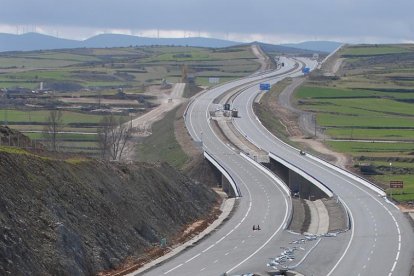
(224, 172)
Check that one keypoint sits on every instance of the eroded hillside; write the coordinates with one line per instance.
(79, 217)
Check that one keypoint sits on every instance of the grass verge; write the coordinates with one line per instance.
(162, 145)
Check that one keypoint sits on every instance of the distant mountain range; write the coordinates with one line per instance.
(35, 41)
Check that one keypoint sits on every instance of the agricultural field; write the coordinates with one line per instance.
(367, 111)
(371, 50)
(86, 84)
(120, 67)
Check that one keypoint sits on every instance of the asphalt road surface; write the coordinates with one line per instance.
(380, 243)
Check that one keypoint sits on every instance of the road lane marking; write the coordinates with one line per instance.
(172, 269)
(325, 168)
(205, 250)
(189, 260)
(274, 234)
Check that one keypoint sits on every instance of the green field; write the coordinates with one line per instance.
(122, 67)
(79, 125)
(372, 148)
(40, 116)
(370, 50)
(373, 134)
(312, 92)
(406, 194)
(360, 114)
(371, 99)
(83, 73)
(162, 145)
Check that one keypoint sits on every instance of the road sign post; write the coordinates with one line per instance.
(396, 184)
(214, 80)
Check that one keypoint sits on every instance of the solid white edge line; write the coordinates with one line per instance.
(355, 178)
(273, 235)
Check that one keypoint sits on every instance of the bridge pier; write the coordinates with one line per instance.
(298, 185)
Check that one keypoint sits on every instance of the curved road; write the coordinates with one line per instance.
(234, 245)
(382, 241)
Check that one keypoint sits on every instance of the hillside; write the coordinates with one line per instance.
(79, 217)
(36, 41)
(316, 46)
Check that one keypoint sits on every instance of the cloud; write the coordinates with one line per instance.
(270, 19)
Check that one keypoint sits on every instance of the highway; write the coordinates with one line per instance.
(379, 243)
(234, 244)
(382, 241)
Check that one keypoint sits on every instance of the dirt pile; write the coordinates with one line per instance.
(79, 217)
(10, 137)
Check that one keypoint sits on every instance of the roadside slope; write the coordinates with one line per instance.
(79, 217)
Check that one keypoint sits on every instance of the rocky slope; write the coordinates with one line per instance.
(79, 217)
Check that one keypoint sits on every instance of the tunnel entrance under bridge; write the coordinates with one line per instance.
(299, 186)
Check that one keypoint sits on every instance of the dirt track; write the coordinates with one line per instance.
(142, 124)
(306, 123)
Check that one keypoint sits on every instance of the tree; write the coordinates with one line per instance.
(53, 126)
(113, 135)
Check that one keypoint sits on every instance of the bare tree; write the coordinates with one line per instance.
(113, 134)
(53, 126)
(103, 136)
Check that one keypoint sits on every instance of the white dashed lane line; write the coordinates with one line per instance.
(189, 260)
(172, 269)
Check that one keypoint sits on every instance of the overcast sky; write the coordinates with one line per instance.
(275, 21)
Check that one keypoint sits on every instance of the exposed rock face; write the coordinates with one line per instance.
(80, 217)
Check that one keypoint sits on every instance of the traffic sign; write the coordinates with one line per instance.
(265, 86)
(396, 184)
(214, 80)
(306, 70)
